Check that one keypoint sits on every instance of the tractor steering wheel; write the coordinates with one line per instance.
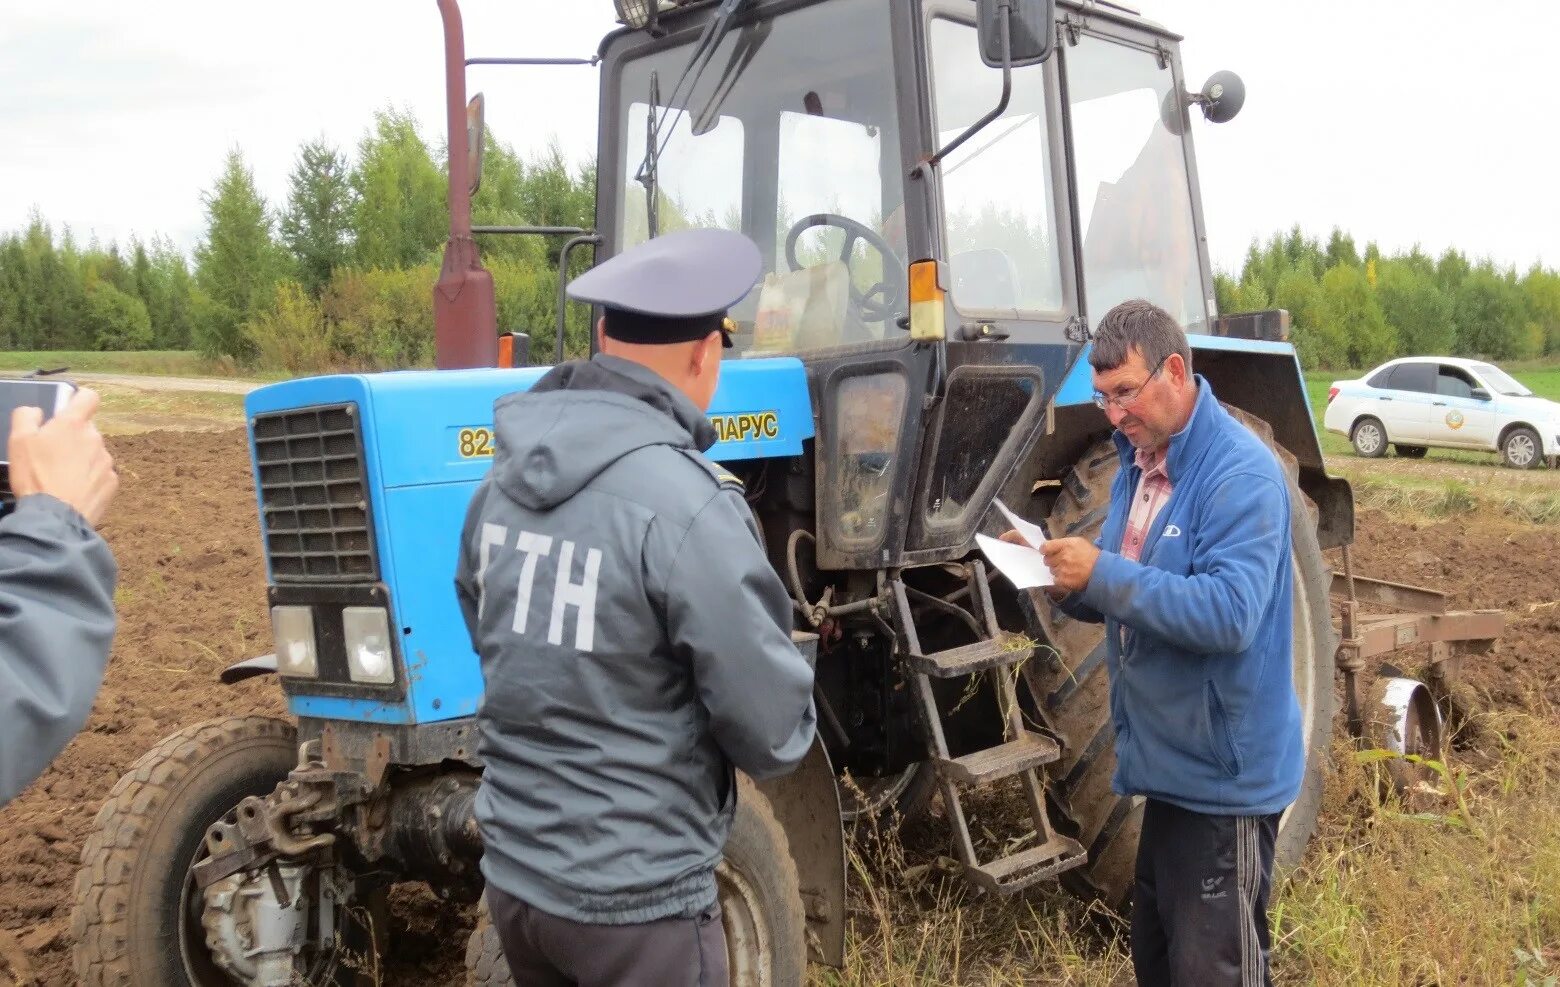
(883, 301)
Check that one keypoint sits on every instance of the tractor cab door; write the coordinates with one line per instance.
(1138, 216)
(1005, 232)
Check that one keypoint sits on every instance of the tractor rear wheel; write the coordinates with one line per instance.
(1072, 687)
(760, 900)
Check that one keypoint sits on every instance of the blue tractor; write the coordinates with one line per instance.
(947, 193)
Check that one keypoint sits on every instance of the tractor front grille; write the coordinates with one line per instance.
(314, 495)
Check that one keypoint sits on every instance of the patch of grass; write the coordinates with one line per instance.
(1434, 498)
(126, 410)
(168, 363)
(1457, 882)
(1443, 887)
(914, 920)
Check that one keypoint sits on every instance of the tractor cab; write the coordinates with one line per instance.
(926, 255)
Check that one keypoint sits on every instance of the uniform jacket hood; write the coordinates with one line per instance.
(554, 439)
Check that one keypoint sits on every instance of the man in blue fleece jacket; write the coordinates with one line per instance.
(1191, 577)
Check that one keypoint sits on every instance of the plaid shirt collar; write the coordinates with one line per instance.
(1154, 462)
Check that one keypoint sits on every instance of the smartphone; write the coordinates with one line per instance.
(50, 395)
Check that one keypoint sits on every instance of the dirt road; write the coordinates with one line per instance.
(192, 600)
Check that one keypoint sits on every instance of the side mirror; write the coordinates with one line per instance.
(475, 139)
(1222, 97)
(1480, 394)
(1031, 30)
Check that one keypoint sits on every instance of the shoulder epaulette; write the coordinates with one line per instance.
(723, 477)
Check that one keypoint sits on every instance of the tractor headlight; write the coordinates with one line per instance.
(296, 653)
(370, 659)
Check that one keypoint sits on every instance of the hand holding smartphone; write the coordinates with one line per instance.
(51, 446)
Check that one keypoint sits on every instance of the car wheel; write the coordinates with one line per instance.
(1522, 449)
(1370, 438)
(1410, 452)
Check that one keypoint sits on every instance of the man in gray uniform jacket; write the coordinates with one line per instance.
(635, 642)
(56, 586)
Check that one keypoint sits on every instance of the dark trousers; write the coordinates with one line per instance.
(547, 951)
(1199, 904)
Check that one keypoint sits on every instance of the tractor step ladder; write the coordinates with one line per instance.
(1023, 754)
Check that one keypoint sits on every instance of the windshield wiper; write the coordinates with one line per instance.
(703, 52)
(650, 170)
(742, 55)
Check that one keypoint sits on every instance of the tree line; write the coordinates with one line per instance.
(340, 274)
(1354, 309)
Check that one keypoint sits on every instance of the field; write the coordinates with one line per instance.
(1460, 887)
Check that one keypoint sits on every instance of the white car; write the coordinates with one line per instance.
(1419, 402)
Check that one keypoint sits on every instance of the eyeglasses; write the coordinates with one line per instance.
(1103, 401)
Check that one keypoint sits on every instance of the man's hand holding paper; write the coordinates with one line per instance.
(1017, 553)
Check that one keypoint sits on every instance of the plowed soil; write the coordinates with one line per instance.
(192, 600)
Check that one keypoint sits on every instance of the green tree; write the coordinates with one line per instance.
(237, 263)
(502, 201)
(1296, 294)
(1224, 292)
(1418, 260)
(116, 321)
(1304, 253)
(316, 228)
(57, 303)
(165, 288)
(1542, 291)
(1341, 251)
(1450, 271)
(399, 216)
(291, 334)
(1349, 318)
(1490, 315)
(1416, 308)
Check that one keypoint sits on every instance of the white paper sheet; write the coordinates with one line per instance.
(1022, 565)
(1032, 533)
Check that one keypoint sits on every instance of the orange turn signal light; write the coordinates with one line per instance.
(928, 302)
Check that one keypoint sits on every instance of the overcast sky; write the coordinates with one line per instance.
(1431, 122)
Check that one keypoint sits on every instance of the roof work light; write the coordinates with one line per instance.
(634, 13)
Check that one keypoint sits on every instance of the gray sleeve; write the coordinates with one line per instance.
(727, 610)
(57, 580)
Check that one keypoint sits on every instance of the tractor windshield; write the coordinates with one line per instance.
(790, 136)
(1134, 199)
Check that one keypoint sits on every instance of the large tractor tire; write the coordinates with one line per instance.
(1072, 688)
(138, 912)
(760, 901)
(137, 918)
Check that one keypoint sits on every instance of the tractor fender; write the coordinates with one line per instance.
(807, 804)
(248, 669)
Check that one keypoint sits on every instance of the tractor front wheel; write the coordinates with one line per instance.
(138, 912)
(139, 916)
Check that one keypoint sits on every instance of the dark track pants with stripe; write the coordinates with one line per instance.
(1199, 904)
(547, 951)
